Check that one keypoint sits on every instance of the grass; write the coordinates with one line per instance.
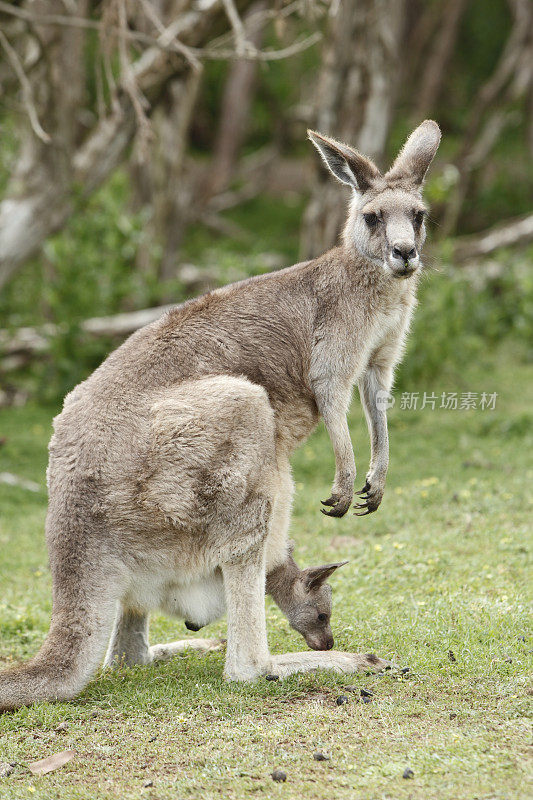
(437, 580)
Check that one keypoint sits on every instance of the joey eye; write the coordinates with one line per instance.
(322, 618)
(371, 220)
(419, 217)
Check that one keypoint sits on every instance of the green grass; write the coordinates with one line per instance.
(441, 567)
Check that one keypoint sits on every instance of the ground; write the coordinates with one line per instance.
(437, 581)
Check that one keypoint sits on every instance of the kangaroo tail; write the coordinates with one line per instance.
(81, 624)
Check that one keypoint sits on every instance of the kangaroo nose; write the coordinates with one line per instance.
(403, 251)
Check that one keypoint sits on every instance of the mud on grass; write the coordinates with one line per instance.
(437, 581)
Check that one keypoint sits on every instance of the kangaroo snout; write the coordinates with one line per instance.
(324, 642)
(403, 258)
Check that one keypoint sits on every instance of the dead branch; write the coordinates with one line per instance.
(215, 54)
(31, 341)
(169, 43)
(242, 45)
(511, 233)
(27, 91)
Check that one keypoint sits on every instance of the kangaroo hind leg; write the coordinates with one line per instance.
(129, 642)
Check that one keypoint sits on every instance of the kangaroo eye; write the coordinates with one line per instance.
(371, 220)
(322, 617)
(419, 218)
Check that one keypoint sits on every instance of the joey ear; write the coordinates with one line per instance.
(417, 153)
(313, 577)
(345, 163)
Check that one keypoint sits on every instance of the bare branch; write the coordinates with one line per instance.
(37, 340)
(518, 231)
(168, 42)
(138, 100)
(214, 54)
(27, 92)
(242, 46)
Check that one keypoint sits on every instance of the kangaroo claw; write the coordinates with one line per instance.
(335, 512)
(329, 502)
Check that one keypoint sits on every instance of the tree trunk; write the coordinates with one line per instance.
(235, 110)
(163, 188)
(434, 72)
(355, 101)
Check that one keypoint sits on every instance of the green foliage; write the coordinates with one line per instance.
(464, 315)
(86, 270)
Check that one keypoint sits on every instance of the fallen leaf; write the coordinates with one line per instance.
(51, 763)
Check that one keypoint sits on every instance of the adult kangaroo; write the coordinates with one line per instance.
(169, 477)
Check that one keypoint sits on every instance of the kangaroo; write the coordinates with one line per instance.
(305, 598)
(169, 466)
(302, 594)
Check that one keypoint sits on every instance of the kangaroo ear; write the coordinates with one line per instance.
(345, 163)
(313, 577)
(417, 153)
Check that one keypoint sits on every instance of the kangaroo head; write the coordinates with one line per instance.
(386, 220)
(308, 607)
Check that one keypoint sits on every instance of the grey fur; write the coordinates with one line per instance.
(169, 474)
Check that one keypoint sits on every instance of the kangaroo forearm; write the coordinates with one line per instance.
(379, 460)
(345, 470)
(373, 387)
(339, 434)
(332, 404)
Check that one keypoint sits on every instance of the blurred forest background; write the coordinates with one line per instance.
(153, 149)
